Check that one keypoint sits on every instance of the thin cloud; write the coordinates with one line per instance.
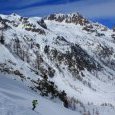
(103, 10)
(87, 8)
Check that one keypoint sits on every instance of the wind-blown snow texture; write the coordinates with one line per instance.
(74, 53)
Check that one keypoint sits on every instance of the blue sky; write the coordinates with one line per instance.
(96, 10)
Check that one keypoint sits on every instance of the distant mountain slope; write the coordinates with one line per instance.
(63, 57)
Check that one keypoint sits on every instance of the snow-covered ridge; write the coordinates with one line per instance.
(66, 52)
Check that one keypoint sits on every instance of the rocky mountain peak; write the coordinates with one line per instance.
(75, 18)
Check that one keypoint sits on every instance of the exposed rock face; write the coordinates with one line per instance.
(75, 18)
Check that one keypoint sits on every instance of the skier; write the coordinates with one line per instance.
(34, 103)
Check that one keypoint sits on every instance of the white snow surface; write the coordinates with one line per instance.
(16, 98)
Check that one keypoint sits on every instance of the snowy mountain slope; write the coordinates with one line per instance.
(66, 52)
(16, 99)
